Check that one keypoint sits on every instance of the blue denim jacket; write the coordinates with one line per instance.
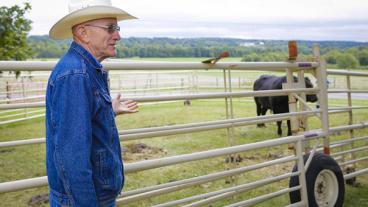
(83, 155)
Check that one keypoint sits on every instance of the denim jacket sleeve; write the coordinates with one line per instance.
(72, 104)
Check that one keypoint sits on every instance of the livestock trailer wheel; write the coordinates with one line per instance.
(326, 188)
(325, 182)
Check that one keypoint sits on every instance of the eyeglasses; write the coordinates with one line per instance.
(110, 28)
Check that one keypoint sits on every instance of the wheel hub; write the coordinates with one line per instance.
(326, 188)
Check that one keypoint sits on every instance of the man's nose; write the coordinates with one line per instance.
(116, 35)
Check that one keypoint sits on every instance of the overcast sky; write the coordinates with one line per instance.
(247, 19)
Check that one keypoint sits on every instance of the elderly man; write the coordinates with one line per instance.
(83, 155)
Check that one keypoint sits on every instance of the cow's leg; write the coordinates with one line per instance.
(289, 128)
(279, 131)
(263, 112)
(260, 113)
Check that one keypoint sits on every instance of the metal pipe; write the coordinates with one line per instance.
(269, 66)
(150, 194)
(176, 185)
(348, 108)
(346, 72)
(346, 142)
(353, 161)
(302, 170)
(304, 106)
(262, 198)
(22, 114)
(225, 121)
(225, 193)
(22, 142)
(23, 184)
(229, 123)
(21, 91)
(334, 130)
(22, 99)
(184, 97)
(349, 140)
(322, 96)
(22, 119)
(355, 174)
(133, 134)
(22, 105)
(156, 163)
(311, 154)
(346, 91)
(10, 111)
(294, 121)
(350, 151)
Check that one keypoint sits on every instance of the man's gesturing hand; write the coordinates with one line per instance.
(125, 107)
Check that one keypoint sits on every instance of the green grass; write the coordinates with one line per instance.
(28, 161)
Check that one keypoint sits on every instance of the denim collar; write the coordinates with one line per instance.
(86, 55)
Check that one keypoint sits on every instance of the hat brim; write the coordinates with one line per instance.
(63, 28)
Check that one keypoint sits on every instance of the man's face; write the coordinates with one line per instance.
(103, 36)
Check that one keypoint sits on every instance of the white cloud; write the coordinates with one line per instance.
(270, 19)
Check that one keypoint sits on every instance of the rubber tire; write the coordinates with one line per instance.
(319, 162)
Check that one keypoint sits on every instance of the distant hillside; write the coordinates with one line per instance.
(251, 50)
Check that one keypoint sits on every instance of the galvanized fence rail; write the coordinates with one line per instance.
(300, 138)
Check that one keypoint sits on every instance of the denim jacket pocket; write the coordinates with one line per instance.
(57, 199)
(110, 115)
(106, 172)
(103, 167)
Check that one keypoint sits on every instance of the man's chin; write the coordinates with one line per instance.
(112, 53)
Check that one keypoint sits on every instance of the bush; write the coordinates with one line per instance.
(347, 61)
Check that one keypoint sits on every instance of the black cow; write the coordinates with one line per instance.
(277, 104)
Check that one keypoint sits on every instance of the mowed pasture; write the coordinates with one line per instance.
(28, 161)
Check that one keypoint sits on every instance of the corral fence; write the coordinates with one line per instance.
(316, 179)
(31, 87)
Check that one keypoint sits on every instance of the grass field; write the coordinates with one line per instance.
(28, 161)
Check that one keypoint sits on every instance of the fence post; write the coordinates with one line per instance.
(351, 132)
(228, 103)
(182, 84)
(301, 169)
(229, 130)
(292, 102)
(8, 91)
(321, 75)
(24, 96)
(303, 119)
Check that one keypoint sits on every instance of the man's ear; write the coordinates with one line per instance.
(81, 33)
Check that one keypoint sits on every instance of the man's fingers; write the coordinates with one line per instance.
(131, 105)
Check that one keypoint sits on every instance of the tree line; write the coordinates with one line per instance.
(344, 54)
(15, 44)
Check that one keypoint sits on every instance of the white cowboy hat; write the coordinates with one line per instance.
(84, 10)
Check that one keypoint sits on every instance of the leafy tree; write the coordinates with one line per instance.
(269, 50)
(363, 57)
(252, 58)
(14, 28)
(347, 61)
(332, 55)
